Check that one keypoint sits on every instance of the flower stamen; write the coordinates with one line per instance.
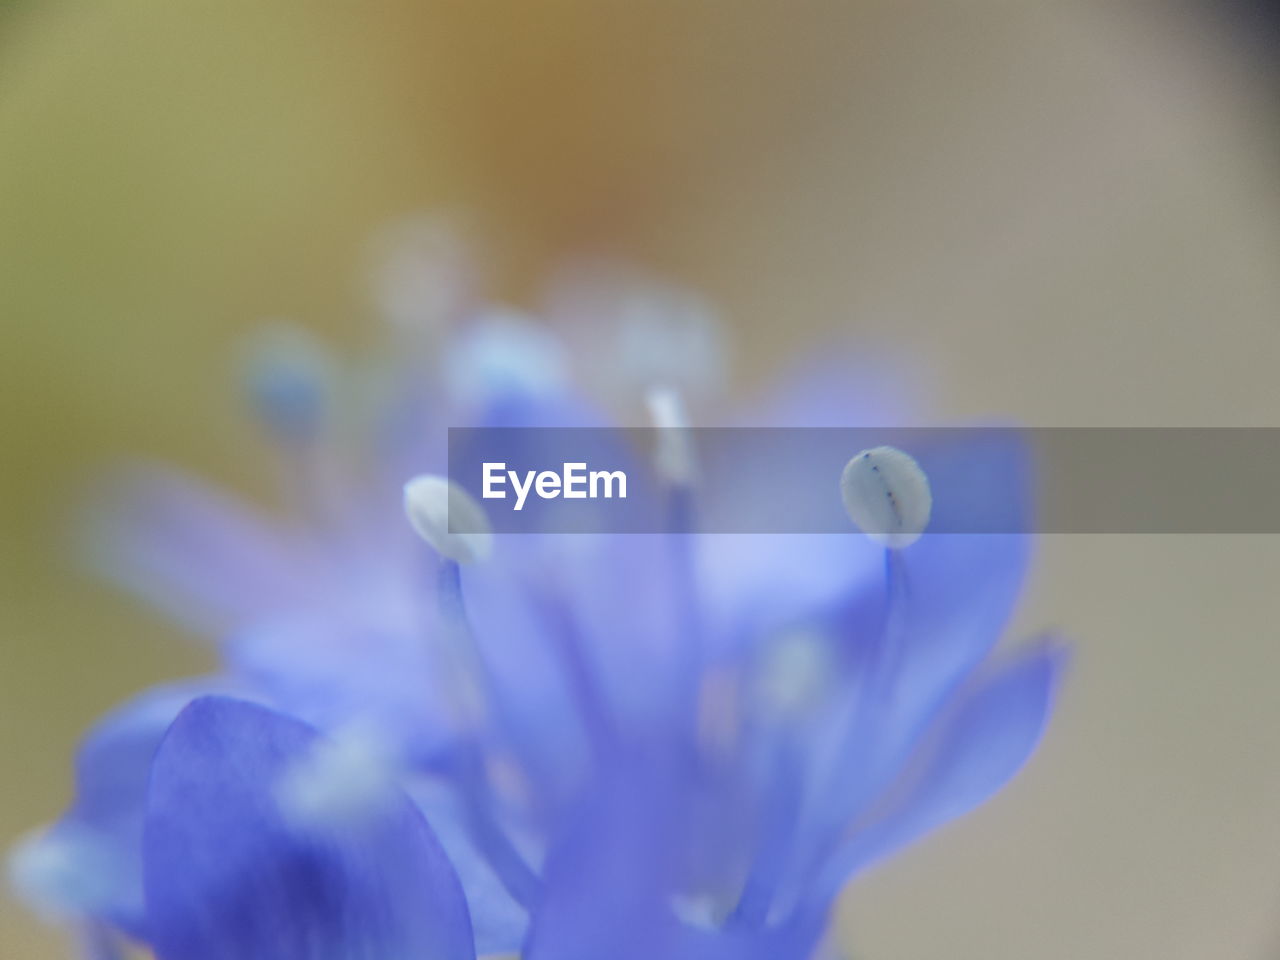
(887, 496)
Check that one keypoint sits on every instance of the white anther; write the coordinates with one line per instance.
(673, 451)
(343, 781)
(887, 496)
(448, 518)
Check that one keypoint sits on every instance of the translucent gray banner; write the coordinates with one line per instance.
(787, 480)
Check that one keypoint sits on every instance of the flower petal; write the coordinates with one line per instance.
(500, 923)
(88, 865)
(333, 668)
(193, 552)
(953, 596)
(992, 733)
(612, 881)
(228, 875)
(959, 589)
(608, 877)
(754, 586)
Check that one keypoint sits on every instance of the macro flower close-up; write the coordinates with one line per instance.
(427, 738)
(639, 481)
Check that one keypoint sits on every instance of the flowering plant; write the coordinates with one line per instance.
(428, 740)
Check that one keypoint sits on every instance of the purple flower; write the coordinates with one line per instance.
(228, 873)
(675, 745)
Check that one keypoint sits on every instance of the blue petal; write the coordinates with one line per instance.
(530, 661)
(608, 878)
(227, 875)
(634, 606)
(962, 592)
(756, 585)
(202, 558)
(960, 588)
(336, 668)
(992, 733)
(908, 645)
(114, 760)
(500, 923)
(548, 609)
(89, 864)
(613, 879)
(789, 941)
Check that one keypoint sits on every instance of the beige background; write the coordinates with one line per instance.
(1068, 211)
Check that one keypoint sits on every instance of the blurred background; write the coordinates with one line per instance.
(1067, 212)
